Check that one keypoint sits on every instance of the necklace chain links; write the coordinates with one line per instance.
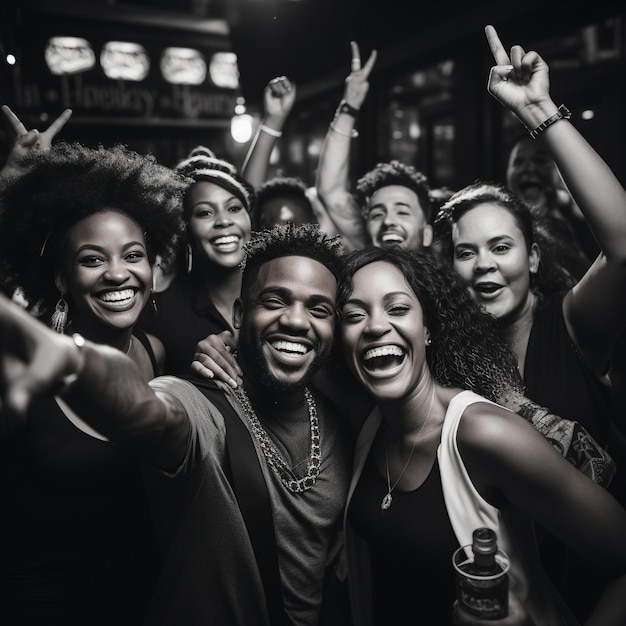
(272, 454)
(387, 500)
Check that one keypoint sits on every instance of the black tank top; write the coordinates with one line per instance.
(411, 546)
(145, 342)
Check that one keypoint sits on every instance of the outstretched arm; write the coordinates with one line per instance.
(278, 100)
(100, 383)
(27, 140)
(595, 309)
(333, 171)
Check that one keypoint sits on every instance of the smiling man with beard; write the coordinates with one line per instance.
(209, 573)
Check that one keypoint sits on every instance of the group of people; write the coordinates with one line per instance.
(193, 455)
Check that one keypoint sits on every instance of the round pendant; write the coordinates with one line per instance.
(386, 503)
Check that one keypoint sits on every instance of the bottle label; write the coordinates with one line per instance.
(487, 599)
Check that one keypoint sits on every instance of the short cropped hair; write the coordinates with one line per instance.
(289, 187)
(289, 240)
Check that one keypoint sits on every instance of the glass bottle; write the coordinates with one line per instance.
(482, 580)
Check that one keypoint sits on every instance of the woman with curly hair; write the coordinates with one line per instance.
(568, 336)
(79, 230)
(199, 300)
(439, 457)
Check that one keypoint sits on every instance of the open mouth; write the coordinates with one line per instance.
(383, 358)
(226, 242)
(531, 190)
(487, 288)
(120, 296)
(391, 238)
(290, 348)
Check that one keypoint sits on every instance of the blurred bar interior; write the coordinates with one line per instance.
(165, 75)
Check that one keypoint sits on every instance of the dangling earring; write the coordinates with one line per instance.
(59, 317)
(189, 255)
(155, 308)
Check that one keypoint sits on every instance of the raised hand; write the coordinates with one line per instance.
(27, 140)
(519, 79)
(357, 85)
(279, 97)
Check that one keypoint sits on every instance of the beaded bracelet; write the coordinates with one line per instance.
(353, 134)
(271, 131)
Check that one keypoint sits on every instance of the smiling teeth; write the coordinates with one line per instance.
(289, 346)
(391, 237)
(223, 241)
(384, 351)
(117, 296)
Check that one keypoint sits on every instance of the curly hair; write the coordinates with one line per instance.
(551, 277)
(289, 240)
(68, 183)
(467, 350)
(394, 173)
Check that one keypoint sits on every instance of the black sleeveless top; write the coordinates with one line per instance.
(145, 342)
(410, 546)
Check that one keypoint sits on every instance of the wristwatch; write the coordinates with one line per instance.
(346, 108)
(562, 113)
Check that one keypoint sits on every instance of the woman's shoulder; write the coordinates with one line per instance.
(486, 426)
(155, 350)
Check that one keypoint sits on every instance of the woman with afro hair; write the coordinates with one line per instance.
(79, 231)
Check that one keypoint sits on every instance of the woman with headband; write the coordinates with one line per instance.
(199, 300)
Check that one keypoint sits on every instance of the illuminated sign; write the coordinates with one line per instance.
(139, 79)
(224, 71)
(69, 55)
(124, 60)
(183, 66)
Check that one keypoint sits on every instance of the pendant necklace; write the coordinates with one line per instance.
(272, 454)
(386, 502)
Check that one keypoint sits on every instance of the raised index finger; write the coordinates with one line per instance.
(497, 49)
(356, 56)
(14, 120)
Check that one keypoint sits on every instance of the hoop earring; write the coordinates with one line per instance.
(59, 317)
(189, 256)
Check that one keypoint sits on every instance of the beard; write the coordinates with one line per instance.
(255, 367)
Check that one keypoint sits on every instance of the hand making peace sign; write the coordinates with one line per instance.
(27, 140)
(357, 84)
